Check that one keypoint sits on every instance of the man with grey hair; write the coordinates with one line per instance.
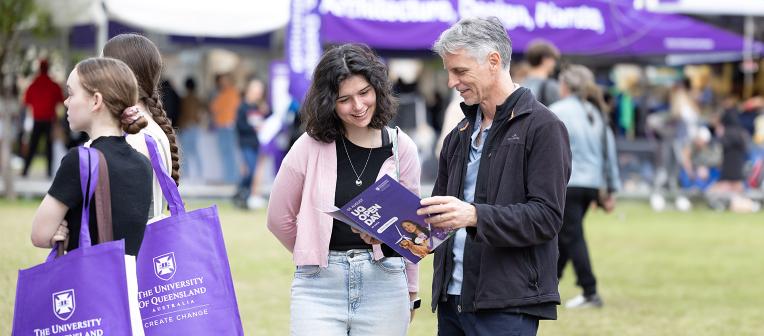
(501, 185)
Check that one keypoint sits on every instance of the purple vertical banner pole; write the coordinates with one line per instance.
(303, 45)
(274, 135)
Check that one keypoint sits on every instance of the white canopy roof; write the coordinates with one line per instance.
(218, 18)
(705, 7)
(72, 12)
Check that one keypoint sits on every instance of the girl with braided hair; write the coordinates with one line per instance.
(144, 59)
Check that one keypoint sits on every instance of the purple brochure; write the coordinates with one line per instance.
(387, 211)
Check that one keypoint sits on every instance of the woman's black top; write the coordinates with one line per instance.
(130, 182)
(343, 238)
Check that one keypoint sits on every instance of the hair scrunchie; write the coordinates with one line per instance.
(130, 115)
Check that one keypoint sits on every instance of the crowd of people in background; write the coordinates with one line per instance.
(706, 151)
(698, 146)
(231, 115)
(551, 131)
(702, 146)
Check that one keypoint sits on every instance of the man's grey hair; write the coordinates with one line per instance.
(477, 36)
(578, 78)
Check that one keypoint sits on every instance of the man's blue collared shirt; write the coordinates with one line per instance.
(476, 149)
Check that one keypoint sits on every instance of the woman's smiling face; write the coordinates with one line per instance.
(356, 102)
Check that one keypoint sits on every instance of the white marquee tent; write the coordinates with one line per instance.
(219, 18)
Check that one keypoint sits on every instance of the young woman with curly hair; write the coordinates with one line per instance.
(345, 282)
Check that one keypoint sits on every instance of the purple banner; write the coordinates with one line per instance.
(575, 26)
(274, 133)
(303, 45)
(387, 24)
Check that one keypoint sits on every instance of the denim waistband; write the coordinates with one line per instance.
(356, 254)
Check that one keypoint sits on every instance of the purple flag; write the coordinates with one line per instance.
(303, 45)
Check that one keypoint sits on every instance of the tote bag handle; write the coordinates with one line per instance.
(166, 183)
(93, 168)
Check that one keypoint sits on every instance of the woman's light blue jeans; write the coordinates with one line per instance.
(354, 295)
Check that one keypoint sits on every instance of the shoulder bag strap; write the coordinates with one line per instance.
(393, 133)
(88, 168)
(103, 201)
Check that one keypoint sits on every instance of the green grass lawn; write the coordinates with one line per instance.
(667, 273)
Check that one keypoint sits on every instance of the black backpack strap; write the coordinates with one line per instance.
(385, 137)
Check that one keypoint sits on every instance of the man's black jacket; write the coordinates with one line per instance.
(510, 258)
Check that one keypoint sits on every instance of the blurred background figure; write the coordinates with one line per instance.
(627, 99)
(451, 117)
(519, 71)
(678, 128)
(752, 119)
(223, 108)
(15, 128)
(294, 122)
(42, 96)
(170, 100)
(542, 57)
(699, 163)
(189, 120)
(729, 191)
(249, 118)
(594, 174)
(414, 117)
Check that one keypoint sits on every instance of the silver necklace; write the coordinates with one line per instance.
(358, 181)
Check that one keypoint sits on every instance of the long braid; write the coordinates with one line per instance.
(154, 105)
(144, 59)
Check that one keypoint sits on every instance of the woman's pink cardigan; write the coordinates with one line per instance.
(305, 184)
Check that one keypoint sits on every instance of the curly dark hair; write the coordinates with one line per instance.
(337, 64)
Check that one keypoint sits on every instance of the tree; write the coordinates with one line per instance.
(16, 17)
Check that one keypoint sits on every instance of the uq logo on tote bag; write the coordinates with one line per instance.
(164, 266)
(64, 304)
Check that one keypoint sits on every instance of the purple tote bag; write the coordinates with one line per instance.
(184, 279)
(84, 291)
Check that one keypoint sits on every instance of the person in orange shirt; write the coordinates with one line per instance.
(223, 108)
